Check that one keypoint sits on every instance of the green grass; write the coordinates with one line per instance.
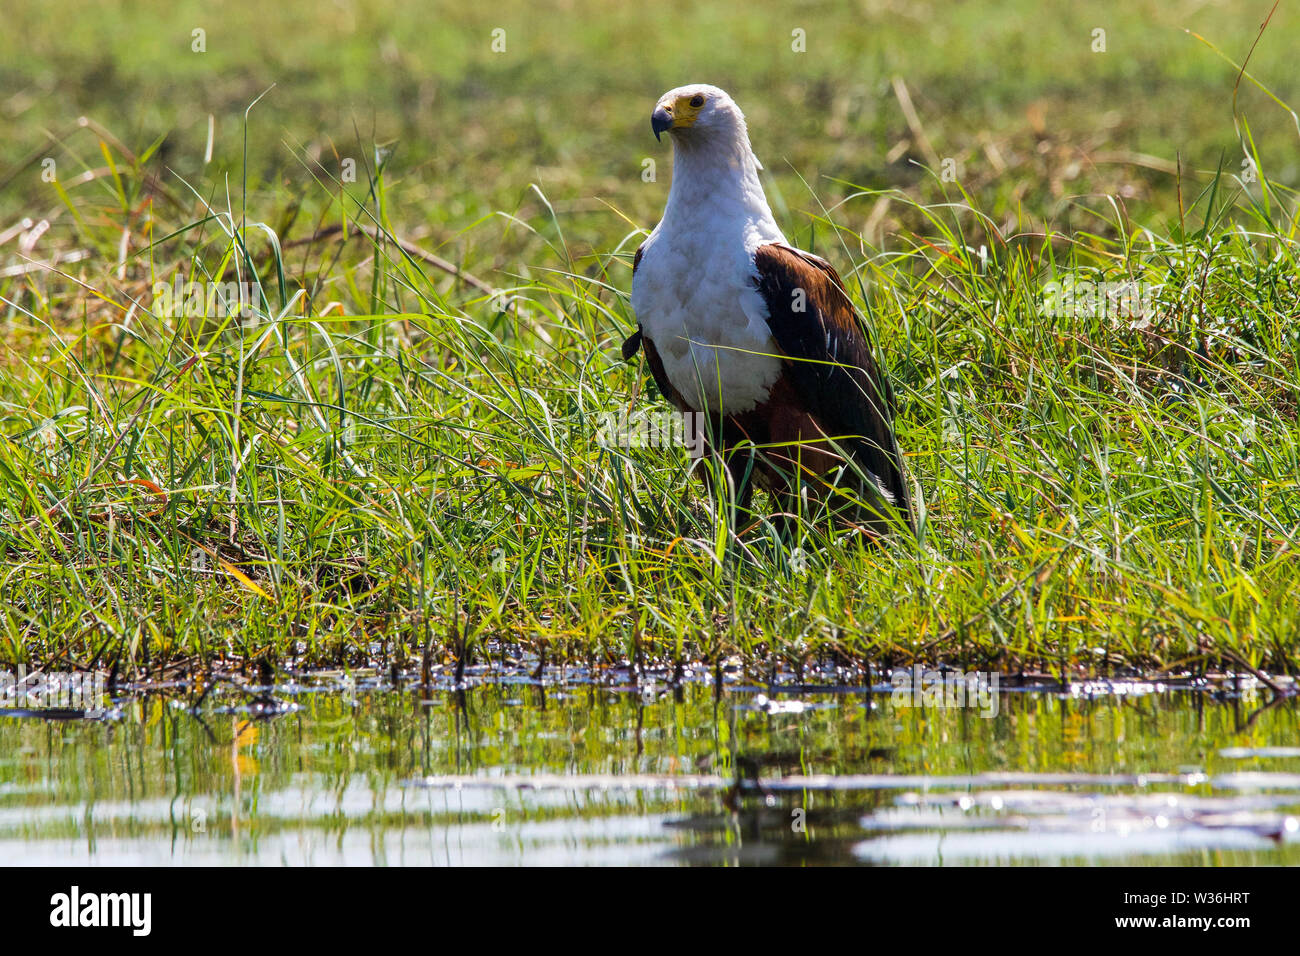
(388, 458)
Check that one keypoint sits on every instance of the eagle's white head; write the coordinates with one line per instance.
(690, 112)
(700, 116)
(715, 172)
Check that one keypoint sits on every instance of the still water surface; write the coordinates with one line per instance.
(591, 769)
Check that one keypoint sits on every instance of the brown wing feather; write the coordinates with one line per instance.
(829, 362)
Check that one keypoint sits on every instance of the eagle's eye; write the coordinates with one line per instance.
(697, 100)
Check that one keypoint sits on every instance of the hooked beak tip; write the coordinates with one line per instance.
(661, 121)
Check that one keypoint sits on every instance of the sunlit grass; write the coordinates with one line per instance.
(391, 454)
(378, 457)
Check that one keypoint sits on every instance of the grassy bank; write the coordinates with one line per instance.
(396, 447)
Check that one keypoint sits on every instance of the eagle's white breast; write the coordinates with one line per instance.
(696, 298)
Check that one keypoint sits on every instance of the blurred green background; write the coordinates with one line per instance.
(1038, 123)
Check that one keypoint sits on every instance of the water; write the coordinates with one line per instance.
(591, 769)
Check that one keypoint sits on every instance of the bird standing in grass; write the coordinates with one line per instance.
(758, 336)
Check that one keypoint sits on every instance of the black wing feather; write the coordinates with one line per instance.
(829, 362)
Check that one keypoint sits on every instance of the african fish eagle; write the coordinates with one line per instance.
(757, 335)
